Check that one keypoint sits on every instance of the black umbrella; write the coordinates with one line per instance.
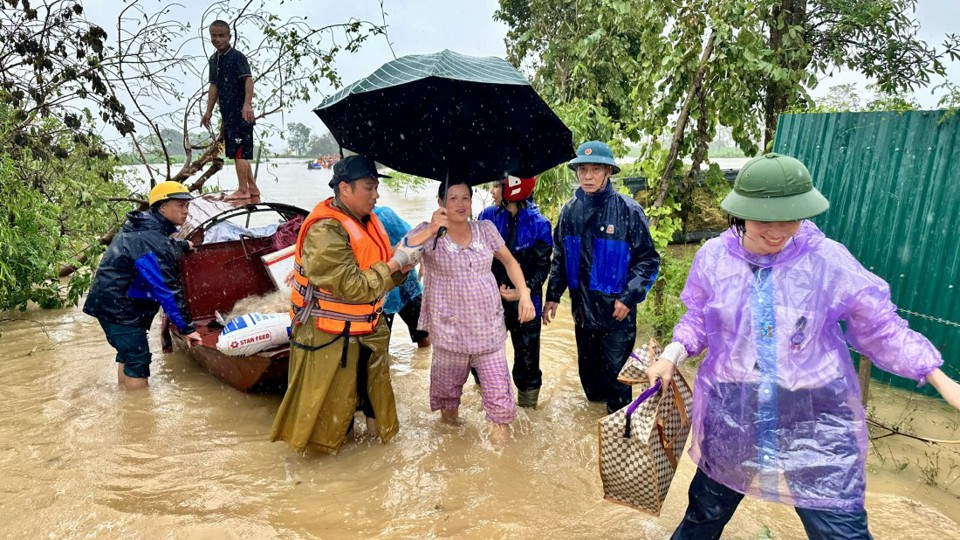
(449, 116)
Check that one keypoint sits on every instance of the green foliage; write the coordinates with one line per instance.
(588, 121)
(400, 182)
(62, 80)
(657, 315)
(323, 145)
(586, 51)
(51, 54)
(950, 101)
(668, 223)
(636, 60)
(52, 210)
(847, 98)
(298, 137)
(631, 69)
(554, 188)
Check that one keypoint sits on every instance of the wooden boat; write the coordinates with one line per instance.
(217, 275)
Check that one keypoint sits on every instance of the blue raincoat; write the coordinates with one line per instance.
(139, 274)
(530, 243)
(602, 252)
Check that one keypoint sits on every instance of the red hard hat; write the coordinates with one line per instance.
(518, 189)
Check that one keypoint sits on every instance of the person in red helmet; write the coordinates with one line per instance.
(526, 234)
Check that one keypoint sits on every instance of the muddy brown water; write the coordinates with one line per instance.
(190, 459)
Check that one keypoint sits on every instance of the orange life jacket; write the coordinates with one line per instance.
(370, 244)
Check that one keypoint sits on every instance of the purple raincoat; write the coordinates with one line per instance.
(776, 410)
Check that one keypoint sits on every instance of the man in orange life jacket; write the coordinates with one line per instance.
(338, 357)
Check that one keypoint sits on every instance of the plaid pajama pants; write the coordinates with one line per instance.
(449, 372)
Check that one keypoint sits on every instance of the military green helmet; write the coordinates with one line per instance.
(774, 187)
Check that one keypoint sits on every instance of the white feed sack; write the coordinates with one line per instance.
(254, 332)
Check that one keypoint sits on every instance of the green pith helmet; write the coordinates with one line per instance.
(594, 152)
(774, 187)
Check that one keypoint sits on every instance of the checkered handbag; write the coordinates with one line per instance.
(634, 370)
(640, 445)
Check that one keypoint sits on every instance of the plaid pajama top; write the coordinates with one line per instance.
(461, 300)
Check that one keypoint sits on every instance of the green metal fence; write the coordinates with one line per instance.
(893, 181)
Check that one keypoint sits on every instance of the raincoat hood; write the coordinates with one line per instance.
(148, 221)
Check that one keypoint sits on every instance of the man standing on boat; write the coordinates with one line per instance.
(604, 255)
(139, 274)
(338, 356)
(231, 85)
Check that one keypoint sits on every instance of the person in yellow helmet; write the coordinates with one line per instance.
(139, 274)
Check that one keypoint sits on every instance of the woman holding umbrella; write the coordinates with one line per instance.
(462, 309)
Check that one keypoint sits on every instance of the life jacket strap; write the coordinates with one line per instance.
(345, 336)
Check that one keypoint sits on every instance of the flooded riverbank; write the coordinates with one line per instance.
(190, 458)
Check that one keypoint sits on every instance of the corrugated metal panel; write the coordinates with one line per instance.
(893, 181)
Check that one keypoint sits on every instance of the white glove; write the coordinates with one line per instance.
(406, 255)
(674, 352)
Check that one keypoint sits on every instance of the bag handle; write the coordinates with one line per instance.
(636, 403)
(684, 421)
(653, 357)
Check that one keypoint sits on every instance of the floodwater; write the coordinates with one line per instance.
(190, 459)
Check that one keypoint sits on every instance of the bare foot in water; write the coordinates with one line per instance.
(499, 433)
(373, 429)
(450, 416)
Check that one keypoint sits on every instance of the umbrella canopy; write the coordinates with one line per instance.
(449, 116)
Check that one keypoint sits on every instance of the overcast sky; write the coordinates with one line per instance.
(467, 26)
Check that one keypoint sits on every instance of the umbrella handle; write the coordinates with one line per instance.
(440, 232)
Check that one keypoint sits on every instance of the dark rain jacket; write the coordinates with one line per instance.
(139, 274)
(602, 252)
(527, 236)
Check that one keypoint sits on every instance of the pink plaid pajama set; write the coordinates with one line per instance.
(464, 316)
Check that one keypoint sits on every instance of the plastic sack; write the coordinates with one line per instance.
(254, 332)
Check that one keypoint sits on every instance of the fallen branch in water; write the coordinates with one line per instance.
(893, 430)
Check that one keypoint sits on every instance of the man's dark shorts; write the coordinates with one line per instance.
(239, 141)
(133, 351)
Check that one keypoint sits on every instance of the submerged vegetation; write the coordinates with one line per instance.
(58, 194)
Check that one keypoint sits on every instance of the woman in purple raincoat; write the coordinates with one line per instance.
(776, 409)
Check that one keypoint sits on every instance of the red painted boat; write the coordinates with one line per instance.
(217, 275)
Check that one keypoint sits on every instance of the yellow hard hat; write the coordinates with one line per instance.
(168, 190)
